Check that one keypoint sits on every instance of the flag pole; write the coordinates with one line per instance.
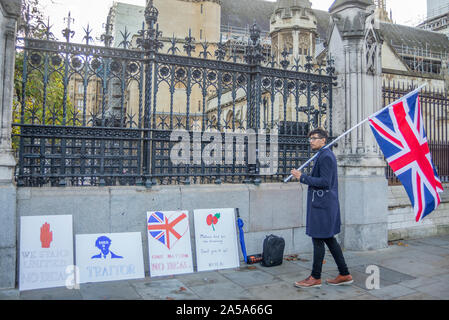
(356, 126)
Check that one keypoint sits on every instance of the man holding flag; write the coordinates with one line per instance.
(323, 212)
(399, 131)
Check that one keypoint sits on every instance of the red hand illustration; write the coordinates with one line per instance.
(46, 235)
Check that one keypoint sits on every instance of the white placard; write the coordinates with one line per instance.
(216, 239)
(109, 257)
(169, 247)
(46, 251)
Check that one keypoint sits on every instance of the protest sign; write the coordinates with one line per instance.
(109, 257)
(169, 246)
(46, 251)
(216, 239)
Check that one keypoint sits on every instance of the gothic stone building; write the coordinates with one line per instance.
(410, 56)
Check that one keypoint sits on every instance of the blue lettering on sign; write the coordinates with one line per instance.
(116, 270)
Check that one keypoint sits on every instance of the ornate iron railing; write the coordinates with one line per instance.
(98, 115)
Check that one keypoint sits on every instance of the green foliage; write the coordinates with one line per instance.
(42, 88)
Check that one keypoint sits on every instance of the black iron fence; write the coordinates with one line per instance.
(99, 115)
(435, 112)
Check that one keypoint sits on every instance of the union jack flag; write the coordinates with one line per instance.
(160, 228)
(399, 130)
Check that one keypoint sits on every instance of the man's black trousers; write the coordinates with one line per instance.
(318, 256)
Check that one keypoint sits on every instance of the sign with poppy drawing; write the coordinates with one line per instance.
(46, 251)
(169, 246)
(216, 239)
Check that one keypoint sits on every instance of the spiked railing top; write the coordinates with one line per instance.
(151, 14)
(67, 32)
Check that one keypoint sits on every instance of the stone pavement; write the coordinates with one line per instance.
(409, 270)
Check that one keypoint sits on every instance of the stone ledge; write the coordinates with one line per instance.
(417, 232)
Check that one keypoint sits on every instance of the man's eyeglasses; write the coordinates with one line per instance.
(314, 138)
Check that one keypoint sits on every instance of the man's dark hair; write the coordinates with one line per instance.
(320, 132)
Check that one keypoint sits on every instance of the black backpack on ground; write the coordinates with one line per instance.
(273, 251)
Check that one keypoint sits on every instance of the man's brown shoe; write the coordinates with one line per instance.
(310, 282)
(340, 280)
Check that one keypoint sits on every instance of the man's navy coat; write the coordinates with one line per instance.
(323, 207)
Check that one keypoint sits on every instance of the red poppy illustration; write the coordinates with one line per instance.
(212, 220)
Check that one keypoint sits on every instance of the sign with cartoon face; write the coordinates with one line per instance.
(169, 246)
(46, 251)
(109, 257)
(216, 239)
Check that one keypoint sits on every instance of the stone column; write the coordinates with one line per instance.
(355, 45)
(295, 45)
(9, 14)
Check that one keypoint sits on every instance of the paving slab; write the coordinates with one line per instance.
(328, 263)
(350, 254)
(166, 289)
(364, 296)
(360, 280)
(51, 294)
(416, 270)
(427, 253)
(443, 237)
(242, 268)
(325, 292)
(251, 278)
(328, 292)
(434, 241)
(114, 290)
(285, 267)
(201, 278)
(343, 292)
(280, 291)
(439, 290)
(444, 263)
(441, 277)
(429, 249)
(354, 262)
(420, 281)
(391, 292)
(12, 294)
(293, 277)
(386, 274)
(413, 268)
(221, 291)
(417, 296)
(382, 254)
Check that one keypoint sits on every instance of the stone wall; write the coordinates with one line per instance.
(269, 208)
(401, 219)
(266, 209)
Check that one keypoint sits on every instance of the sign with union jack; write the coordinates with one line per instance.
(169, 244)
(399, 130)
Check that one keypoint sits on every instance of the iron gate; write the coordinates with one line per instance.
(98, 115)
